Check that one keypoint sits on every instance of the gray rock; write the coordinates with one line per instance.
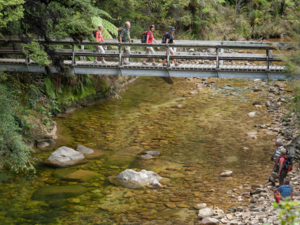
(146, 156)
(226, 173)
(142, 178)
(256, 102)
(64, 156)
(205, 212)
(253, 200)
(153, 153)
(84, 149)
(210, 221)
(58, 192)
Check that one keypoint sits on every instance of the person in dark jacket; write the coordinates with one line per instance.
(170, 40)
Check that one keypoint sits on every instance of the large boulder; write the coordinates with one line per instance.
(64, 156)
(205, 212)
(132, 179)
(210, 221)
(58, 192)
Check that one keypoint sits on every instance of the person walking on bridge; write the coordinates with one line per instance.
(124, 37)
(99, 38)
(168, 38)
(149, 40)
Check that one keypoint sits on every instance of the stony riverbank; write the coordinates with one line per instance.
(261, 197)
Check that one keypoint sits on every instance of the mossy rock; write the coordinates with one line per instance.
(82, 176)
(57, 203)
(124, 156)
(58, 192)
(60, 173)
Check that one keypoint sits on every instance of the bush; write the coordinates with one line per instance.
(14, 153)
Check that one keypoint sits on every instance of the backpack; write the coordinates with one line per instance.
(144, 37)
(164, 39)
(94, 33)
(119, 32)
(288, 163)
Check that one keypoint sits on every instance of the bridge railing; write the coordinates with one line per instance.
(268, 57)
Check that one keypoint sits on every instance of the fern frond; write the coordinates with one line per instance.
(108, 26)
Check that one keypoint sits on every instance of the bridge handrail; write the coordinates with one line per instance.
(179, 43)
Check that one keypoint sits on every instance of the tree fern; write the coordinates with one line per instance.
(108, 28)
(49, 88)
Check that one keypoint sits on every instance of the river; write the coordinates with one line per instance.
(197, 141)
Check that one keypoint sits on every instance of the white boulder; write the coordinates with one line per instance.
(210, 221)
(142, 178)
(64, 156)
(226, 173)
(205, 212)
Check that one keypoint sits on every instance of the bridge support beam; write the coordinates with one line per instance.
(34, 68)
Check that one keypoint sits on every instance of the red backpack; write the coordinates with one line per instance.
(288, 163)
(144, 37)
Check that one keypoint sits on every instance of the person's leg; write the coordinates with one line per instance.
(147, 53)
(282, 176)
(152, 52)
(127, 52)
(95, 59)
(101, 50)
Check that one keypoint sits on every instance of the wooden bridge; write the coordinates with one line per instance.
(212, 66)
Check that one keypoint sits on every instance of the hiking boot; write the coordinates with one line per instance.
(154, 64)
(103, 61)
(165, 64)
(176, 64)
(126, 63)
(144, 63)
(95, 61)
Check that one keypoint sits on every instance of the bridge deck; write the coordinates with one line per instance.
(139, 65)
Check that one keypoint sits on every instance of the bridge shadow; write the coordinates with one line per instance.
(167, 80)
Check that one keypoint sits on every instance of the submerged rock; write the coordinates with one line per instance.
(58, 192)
(65, 156)
(81, 176)
(124, 156)
(83, 149)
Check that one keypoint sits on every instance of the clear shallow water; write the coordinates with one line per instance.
(197, 142)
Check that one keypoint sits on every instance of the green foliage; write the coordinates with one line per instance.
(10, 10)
(289, 213)
(13, 151)
(36, 52)
(107, 27)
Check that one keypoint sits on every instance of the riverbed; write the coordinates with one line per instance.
(198, 135)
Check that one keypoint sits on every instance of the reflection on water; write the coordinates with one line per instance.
(197, 142)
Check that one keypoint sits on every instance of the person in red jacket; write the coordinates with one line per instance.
(100, 39)
(149, 40)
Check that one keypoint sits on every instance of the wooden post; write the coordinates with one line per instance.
(82, 58)
(217, 58)
(73, 55)
(221, 61)
(267, 56)
(271, 51)
(168, 56)
(120, 54)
